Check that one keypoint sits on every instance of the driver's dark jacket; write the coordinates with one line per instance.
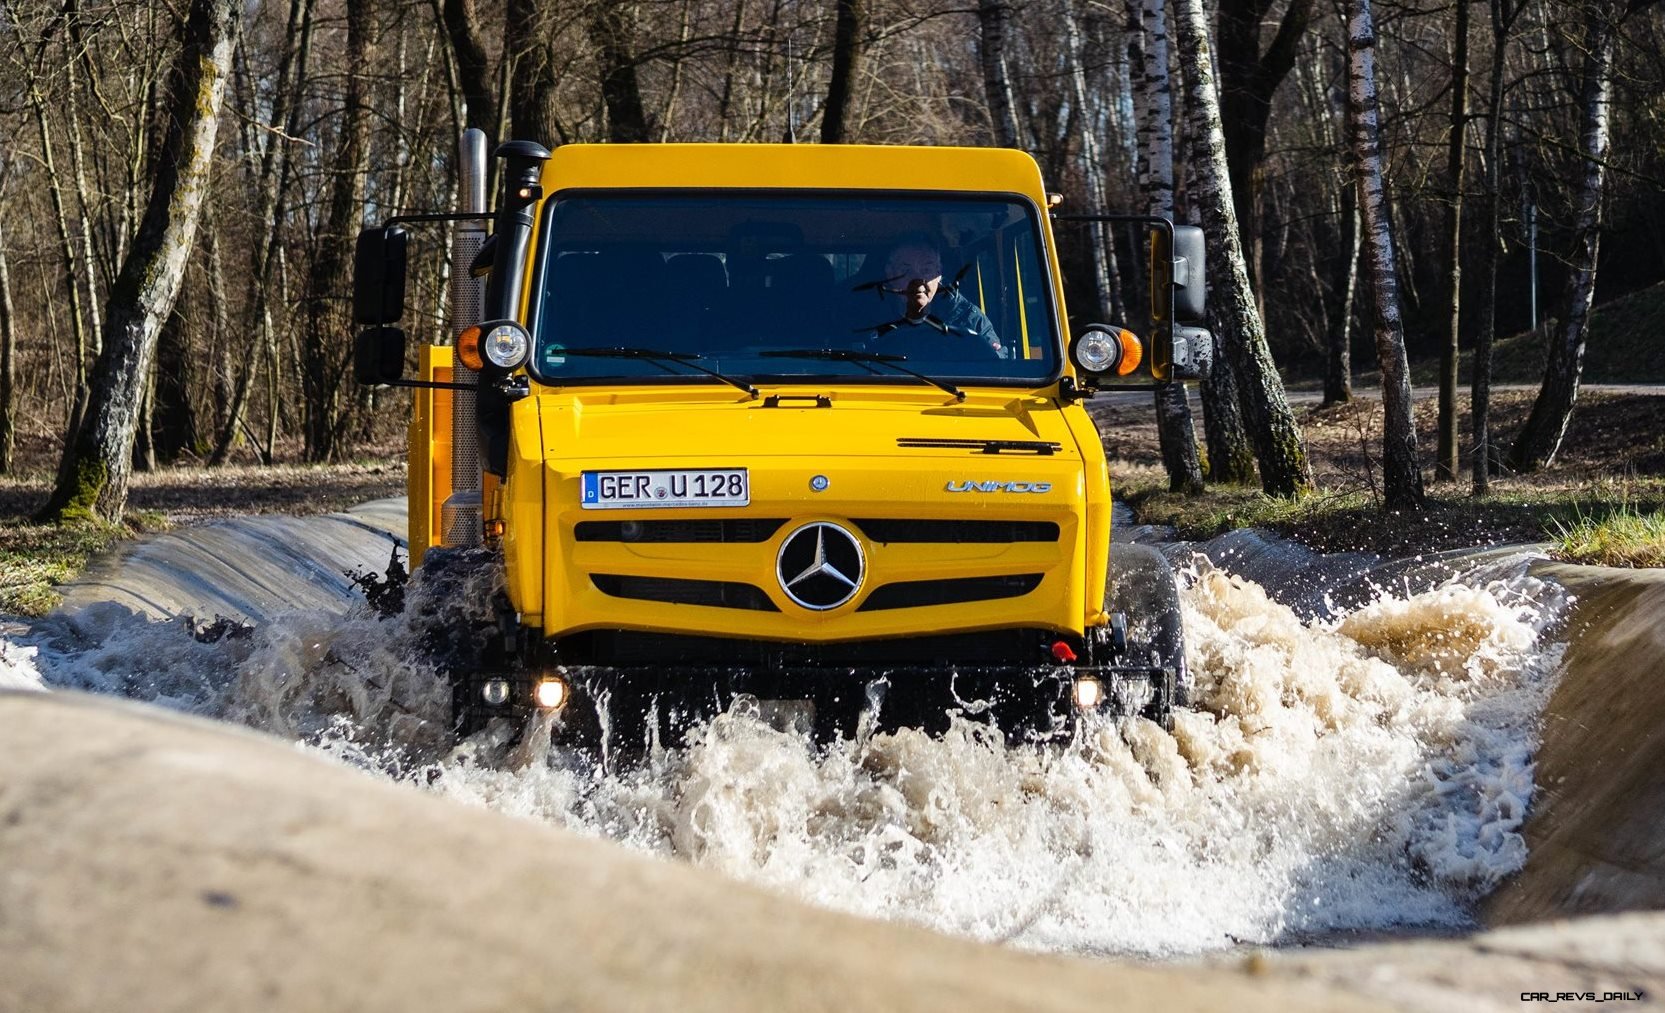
(959, 314)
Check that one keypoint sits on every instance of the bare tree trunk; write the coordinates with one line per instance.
(993, 18)
(612, 33)
(1546, 427)
(849, 40)
(731, 68)
(8, 349)
(1248, 80)
(1338, 374)
(170, 415)
(1154, 99)
(532, 85)
(325, 331)
(1446, 464)
(462, 26)
(98, 461)
(1503, 15)
(1279, 448)
(1231, 458)
(674, 92)
(1402, 474)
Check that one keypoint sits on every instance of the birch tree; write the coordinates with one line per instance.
(993, 17)
(1231, 458)
(98, 460)
(1279, 450)
(1153, 98)
(1402, 475)
(1536, 445)
(8, 343)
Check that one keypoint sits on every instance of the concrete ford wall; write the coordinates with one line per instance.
(1596, 833)
(153, 862)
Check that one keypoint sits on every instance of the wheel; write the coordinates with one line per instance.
(1142, 587)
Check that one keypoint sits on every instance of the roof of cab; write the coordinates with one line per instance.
(796, 166)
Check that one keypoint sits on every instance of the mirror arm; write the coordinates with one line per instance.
(428, 384)
(458, 216)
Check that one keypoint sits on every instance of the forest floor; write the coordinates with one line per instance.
(1611, 469)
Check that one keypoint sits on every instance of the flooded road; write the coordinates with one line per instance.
(1353, 766)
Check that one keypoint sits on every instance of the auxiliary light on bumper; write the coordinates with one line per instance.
(1087, 693)
(551, 692)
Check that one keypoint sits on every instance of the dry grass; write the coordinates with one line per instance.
(1612, 464)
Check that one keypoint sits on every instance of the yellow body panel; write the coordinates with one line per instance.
(558, 433)
(428, 475)
(853, 444)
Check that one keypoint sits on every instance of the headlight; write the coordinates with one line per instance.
(1101, 350)
(495, 692)
(1096, 352)
(505, 344)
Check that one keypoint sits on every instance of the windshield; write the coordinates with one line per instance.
(951, 285)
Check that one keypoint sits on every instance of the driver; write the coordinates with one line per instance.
(913, 285)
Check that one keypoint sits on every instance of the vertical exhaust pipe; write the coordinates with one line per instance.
(460, 513)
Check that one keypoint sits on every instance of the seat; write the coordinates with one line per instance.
(695, 284)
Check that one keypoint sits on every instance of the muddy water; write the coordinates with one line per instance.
(1350, 768)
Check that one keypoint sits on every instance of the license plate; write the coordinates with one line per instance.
(669, 487)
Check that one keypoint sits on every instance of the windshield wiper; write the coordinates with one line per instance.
(655, 355)
(864, 358)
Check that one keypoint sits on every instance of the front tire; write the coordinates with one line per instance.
(1142, 586)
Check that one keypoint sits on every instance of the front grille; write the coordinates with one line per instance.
(917, 593)
(893, 530)
(678, 591)
(746, 529)
(641, 647)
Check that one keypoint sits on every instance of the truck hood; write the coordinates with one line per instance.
(913, 425)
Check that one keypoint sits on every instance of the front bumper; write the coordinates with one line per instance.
(640, 703)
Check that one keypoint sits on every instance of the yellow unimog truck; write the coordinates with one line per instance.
(798, 423)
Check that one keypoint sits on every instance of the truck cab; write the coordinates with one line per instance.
(797, 424)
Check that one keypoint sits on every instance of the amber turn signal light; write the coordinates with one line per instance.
(468, 349)
(1133, 352)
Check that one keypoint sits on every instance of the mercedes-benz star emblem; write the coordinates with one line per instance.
(820, 566)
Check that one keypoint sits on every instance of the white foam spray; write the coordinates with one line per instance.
(1365, 773)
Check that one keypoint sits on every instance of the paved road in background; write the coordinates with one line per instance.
(1141, 396)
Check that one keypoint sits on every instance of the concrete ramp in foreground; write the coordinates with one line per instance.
(154, 862)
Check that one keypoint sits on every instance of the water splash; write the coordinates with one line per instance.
(1367, 772)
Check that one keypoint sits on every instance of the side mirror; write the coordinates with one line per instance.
(1191, 354)
(1178, 299)
(379, 265)
(1190, 275)
(379, 355)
